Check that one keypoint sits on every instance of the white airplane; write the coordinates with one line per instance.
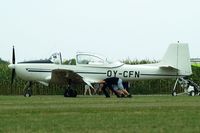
(91, 68)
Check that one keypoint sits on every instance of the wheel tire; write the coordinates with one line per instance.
(174, 93)
(192, 93)
(70, 93)
(27, 93)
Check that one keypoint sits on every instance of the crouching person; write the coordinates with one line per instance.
(116, 86)
(119, 88)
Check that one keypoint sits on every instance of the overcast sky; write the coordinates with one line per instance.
(118, 29)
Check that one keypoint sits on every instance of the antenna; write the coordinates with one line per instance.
(60, 58)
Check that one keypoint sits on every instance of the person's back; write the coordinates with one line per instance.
(109, 82)
(112, 80)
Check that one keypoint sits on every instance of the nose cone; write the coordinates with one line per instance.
(11, 66)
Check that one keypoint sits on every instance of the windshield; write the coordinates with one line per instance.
(95, 60)
(89, 59)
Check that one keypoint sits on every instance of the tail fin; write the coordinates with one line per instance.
(178, 57)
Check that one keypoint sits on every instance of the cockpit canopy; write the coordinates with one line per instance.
(95, 60)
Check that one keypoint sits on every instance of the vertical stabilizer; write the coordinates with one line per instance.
(178, 57)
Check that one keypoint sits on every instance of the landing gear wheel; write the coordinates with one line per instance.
(28, 89)
(174, 93)
(28, 93)
(70, 93)
(192, 93)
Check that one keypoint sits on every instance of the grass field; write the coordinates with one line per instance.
(98, 114)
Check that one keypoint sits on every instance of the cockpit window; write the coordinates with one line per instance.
(95, 60)
(89, 59)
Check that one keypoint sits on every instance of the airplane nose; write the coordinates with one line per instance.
(11, 66)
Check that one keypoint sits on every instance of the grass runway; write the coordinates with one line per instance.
(97, 114)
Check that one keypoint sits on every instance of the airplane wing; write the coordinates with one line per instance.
(63, 76)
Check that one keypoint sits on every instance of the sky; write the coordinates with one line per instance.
(117, 29)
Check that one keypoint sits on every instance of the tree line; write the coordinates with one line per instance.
(160, 86)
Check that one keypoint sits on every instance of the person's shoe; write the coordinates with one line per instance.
(122, 95)
(129, 96)
(118, 96)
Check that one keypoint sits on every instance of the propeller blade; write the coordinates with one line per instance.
(13, 69)
(13, 56)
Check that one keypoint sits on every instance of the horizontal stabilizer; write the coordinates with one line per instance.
(168, 67)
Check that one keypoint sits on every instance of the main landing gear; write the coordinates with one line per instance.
(190, 87)
(28, 89)
(69, 91)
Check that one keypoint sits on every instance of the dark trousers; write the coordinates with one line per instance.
(111, 88)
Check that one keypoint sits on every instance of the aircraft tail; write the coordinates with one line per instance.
(177, 57)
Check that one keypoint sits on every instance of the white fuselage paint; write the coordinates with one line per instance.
(42, 72)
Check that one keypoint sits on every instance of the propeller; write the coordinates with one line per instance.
(13, 56)
(11, 66)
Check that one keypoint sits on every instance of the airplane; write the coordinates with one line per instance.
(92, 68)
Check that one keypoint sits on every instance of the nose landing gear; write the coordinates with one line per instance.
(28, 89)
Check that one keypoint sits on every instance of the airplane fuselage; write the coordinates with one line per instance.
(42, 72)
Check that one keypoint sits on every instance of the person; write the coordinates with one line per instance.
(115, 85)
(96, 88)
(126, 85)
(119, 88)
(87, 88)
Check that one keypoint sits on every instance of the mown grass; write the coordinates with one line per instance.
(99, 114)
